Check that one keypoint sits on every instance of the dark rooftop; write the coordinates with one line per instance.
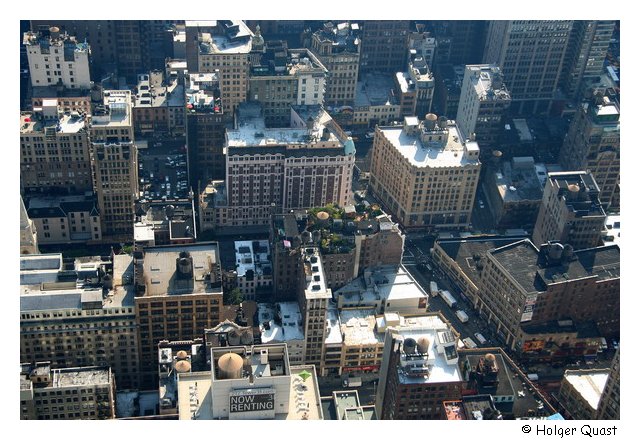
(468, 253)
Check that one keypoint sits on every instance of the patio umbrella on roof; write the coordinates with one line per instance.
(304, 375)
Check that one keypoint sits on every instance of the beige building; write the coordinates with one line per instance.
(581, 391)
(375, 102)
(114, 157)
(593, 144)
(179, 294)
(66, 319)
(57, 59)
(425, 173)
(570, 211)
(271, 170)
(249, 383)
(66, 219)
(83, 393)
(54, 150)
(338, 48)
(224, 46)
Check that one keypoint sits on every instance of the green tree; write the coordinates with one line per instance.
(233, 297)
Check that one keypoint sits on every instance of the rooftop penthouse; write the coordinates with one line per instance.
(114, 111)
(203, 93)
(228, 37)
(46, 39)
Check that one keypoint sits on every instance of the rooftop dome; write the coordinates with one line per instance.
(183, 366)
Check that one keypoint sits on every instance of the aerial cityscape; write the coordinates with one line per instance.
(320, 220)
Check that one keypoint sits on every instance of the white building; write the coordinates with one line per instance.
(282, 322)
(253, 268)
(483, 101)
(247, 383)
(387, 289)
(57, 59)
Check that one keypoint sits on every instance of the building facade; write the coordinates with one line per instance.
(425, 173)
(179, 294)
(570, 211)
(57, 60)
(54, 151)
(338, 48)
(384, 45)
(114, 157)
(84, 393)
(66, 320)
(484, 101)
(530, 54)
(593, 144)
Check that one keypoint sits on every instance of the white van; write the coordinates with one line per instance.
(480, 338)
(468, 342)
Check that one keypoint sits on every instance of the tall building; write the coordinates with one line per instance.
(54, 151)
(57, 60)
(205, 127)
(570, 211)
(424, 82)
(384, 45)
(114, 158)
(313, 299)
(338, 48)
(223, 46)
(531, 54)
(521, 286)
(284, 77)
(459, 41)
(593, 144)
(271, 170)
(84, 393)
(250, 382)
(425, 173)
(484, 101)
(419, 370)
(421, 44)
(589, 43)
(28, 232)
(178, 295)
(254, 271)
(100, 34)
(609, 406)
(78, 315)
(580, 393)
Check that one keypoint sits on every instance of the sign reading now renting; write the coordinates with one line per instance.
(252, 400)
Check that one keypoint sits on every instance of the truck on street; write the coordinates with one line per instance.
(448, 298)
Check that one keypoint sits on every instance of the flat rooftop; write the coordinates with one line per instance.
(65, 296)
(289, 326)
(334, 335)
(232, 37)
(467, 252)
(358, 327)
(521, 260)
(315, 285)
(487, 82)
(420, 155)
(33, 122)
(160, 269)
(389, 283)
(520, 181)
(253, 255)
(439, 369)
(76, 377)
(115, 110)
(589, 384)
(375, 90)
(194, 396)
